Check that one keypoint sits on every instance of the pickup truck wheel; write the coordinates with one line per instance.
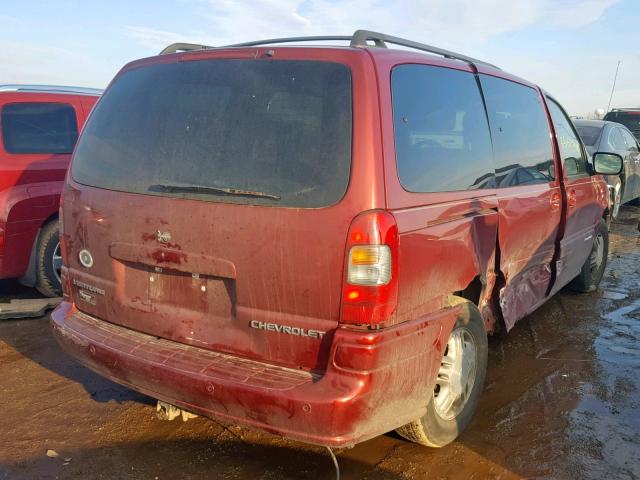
(593, 268)
(49, 261)
(458, 385)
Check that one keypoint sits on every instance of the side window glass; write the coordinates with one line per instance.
(520, 131)
(615, 141)
(39, 127)
(441, 132)
(629, 140)
(570, 150)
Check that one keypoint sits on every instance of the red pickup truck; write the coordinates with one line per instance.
(40, 126)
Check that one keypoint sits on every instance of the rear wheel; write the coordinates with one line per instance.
(49, 261)
(593, 268)
(458, 385)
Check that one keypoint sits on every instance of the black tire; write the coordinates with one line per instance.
(47, 279)
(594, 266)
(434, 430)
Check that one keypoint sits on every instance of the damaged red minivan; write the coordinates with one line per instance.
(315, 241)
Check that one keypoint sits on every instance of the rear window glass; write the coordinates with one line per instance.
(39, 128)
(589, 135)
(441, 132)
(242, 131)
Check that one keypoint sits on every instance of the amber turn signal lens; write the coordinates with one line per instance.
(369, 265)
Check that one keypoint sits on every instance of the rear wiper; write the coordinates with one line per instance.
(211, 191)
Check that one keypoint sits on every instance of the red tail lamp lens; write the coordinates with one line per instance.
(370, 289)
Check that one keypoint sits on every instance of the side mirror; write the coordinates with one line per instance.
(607, 163)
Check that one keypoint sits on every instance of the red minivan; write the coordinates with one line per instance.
(315, 241)
(39, 127)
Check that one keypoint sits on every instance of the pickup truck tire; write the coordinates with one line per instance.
(593, 268)
(47, 258)
(466, 352)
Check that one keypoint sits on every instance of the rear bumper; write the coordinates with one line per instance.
(374, 382)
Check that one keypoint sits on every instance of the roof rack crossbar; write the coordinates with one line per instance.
(269, 41)
(361, 38)
(188, 47)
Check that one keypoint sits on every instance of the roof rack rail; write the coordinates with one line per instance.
(50, 89)
(183, 47)
(360, 38)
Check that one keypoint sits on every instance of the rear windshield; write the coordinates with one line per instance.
(242, 131)
(631, 120)
(589, 135)
(39, 127)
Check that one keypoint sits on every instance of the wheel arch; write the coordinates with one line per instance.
(482, 293)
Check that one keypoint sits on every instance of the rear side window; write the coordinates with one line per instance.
(240, 131)
(441, 132)
(520, 131)
(39, 127)
(573, 159)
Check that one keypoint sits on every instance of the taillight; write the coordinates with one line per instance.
(370, 291)
(1, 239)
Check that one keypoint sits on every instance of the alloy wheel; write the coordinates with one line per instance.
(597, 253)
(457, 374)
(56, 262)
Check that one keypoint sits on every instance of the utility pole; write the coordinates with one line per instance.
(614, 86)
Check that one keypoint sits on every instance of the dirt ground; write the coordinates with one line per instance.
(562, 400)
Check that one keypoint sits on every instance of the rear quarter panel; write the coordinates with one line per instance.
(446, 239)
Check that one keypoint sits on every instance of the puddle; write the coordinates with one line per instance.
(613, 295)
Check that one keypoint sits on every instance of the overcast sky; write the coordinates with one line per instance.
(569, 47)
